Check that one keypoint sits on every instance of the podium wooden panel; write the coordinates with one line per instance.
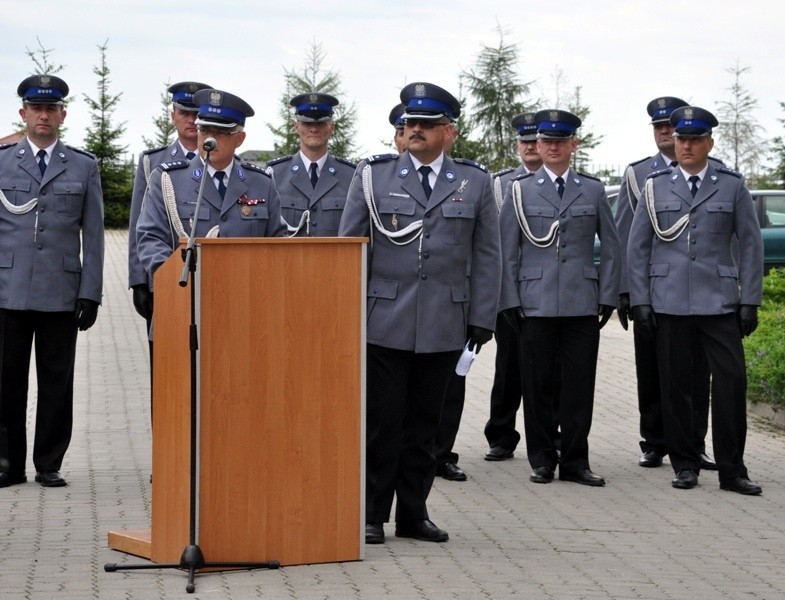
(281, 403)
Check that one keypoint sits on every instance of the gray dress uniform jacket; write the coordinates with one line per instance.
(423, 295)
(696, 274)
(325, 201)
(560, 280)
(54, 253)
(148, 161)
(250, 208)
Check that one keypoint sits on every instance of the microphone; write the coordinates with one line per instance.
(209, 144)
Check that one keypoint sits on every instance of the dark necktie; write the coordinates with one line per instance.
(694, 179)
(190, 155)
(426, 184)
(560, 186)
(219, 175)
(314, 176)
(42, 161)
(674, 163)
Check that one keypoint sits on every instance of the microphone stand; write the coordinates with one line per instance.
(192, 557)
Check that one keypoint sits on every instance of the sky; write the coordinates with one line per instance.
(622, 54)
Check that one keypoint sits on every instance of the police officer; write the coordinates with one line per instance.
(396, 120)
(506, 391)
(429, 217)
(313, 183)
(684, 285)
(183, 117)
(649, 405)
(553, 292)
(239, 200)
(52, 254)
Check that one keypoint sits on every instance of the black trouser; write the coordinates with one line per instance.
(404, 398)
(721, 340)
(649, 396)
(574, 343)
(54, 334)
(450, 420)
(506, 391)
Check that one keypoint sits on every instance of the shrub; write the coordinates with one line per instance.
(116, 215)
(765, 349)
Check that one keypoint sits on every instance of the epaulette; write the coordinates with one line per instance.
(522, 176)
(345, 161)
(717, 160)
(377, 158)
(728, 171)
(660, 172)
(255, 167)
(278, 160)
(4, 146)
(471, 163)
(154, 150)
(637, 162)
(80, 151)
(174, 165)
(503, 172)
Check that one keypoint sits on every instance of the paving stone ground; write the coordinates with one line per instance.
(636, 538)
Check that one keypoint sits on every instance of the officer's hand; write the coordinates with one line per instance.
(514, 317)
(478, 336)
(645, 320)
(143, 300)
(86, 313)
(624, 310)
(605, 311)
(748, 319)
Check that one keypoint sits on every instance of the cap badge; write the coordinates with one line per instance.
(661, 103)
(313, 98)
(689, 113)
(553, 115)
(193, 88)
(419, 90)
(45, 80)
(215, 98)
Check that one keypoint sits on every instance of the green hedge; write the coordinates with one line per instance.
(116, 215)
(765, 348)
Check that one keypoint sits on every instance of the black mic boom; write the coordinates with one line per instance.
(209, 144)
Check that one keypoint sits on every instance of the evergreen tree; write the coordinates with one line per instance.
(586, 138)
(777, 175)
(102, 140)
(739, 139)
(165, 130)
(314, 78)
(496, 96)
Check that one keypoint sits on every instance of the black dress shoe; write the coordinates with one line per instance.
(541, 475)
(374, 533)
(741, 485)
(685, 480)
(423, 530)
(6, 479)
(450, 472)
(707, 463)
(650, 459)
(50, 479)
(498, 453)
(582, 476)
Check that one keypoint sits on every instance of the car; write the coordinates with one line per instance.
(770, 208)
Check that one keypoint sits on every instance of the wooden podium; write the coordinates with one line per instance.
(281, 403)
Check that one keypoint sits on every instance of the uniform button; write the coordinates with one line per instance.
(564, 260)
(427, 235)
(223, 218)
(40, 246)
(564, 244)
(693, 241)
(563, 215)
(692, 258)
(42, 209)
(425, 255)
(423, 276)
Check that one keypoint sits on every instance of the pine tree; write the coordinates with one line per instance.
(165, 130)
(314, 78)
(739, 140)
(102, 140)
(586, 138)
(778, 154)
(496, 96)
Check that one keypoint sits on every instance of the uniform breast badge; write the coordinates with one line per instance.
(463, 185)
(246, 203)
